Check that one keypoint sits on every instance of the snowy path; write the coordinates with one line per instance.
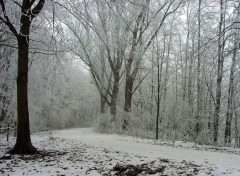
(221, 161)
(81, 152)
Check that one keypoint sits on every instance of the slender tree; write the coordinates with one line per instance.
(230, 109)
(199, 94)
(221, 43)
(231, 93)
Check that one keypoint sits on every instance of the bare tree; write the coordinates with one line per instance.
(231, 87)
(221, 44)
(138, 48)
(28, 13)
(199, 92)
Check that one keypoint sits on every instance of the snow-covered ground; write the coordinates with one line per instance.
(84, 152)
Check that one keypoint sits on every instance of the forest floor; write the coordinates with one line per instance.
(82, 151)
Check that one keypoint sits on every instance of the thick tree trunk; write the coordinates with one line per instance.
(217, 110)
(113, 104)
(128, 94)
(23, 144)
(103, 104)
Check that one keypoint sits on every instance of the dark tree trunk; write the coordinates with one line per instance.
(113, 104)
(158, 100)
(152, 85)
(128, 94)
(103, 104)
(23, 144)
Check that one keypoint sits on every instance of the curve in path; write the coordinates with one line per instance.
(125, 144)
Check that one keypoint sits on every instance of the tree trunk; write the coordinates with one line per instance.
(103, 103)
(185, 87)
(191, 79)
(152, 82)
(128, 94)
(210, 108)
(113, 104)
(199, 92)
(166, 74)
(219, 75)
(237, 137)
(230, 97)
(23, 144)
(158, 99)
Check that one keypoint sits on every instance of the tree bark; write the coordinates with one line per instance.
(23, 144)
(158, 98)
(128, 94)
(152, 84)
(166, 73)
(219, 74)
(199, 92)
(113, 104)
(230, 97)
(191, 79)
(237, 137)
(103, 103)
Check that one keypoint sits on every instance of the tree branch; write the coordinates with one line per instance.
(17, 3)
(140, 82)
(7, 21)
(31, 3)
(37, 9)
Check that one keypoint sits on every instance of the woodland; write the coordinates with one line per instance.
(156, 69)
